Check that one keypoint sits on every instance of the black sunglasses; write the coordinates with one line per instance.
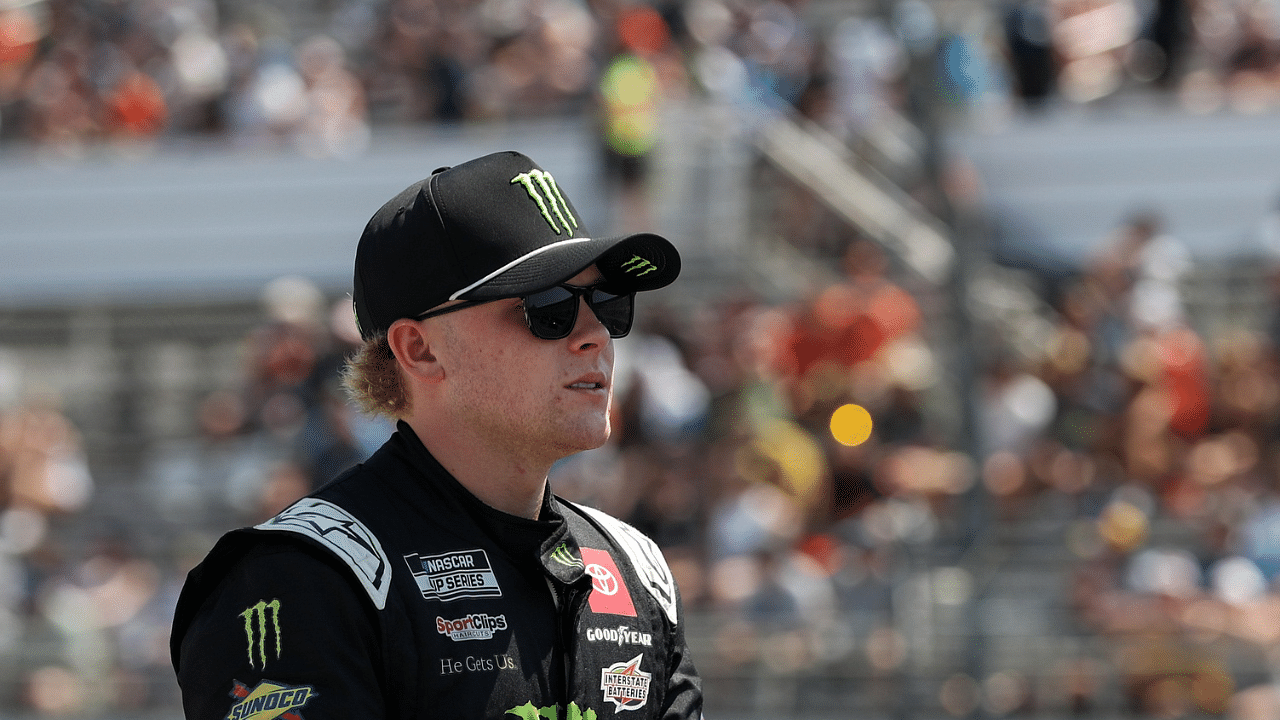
(552, 313)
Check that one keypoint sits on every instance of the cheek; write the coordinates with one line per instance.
(515, 375)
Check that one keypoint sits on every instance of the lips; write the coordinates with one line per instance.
(593, 381)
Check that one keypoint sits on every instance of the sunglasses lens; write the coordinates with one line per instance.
(551, 313)
(614, 311)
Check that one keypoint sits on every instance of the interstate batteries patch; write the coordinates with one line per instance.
(454, 575)
(626, 685)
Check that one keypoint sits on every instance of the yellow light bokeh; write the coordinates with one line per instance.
(851, 425)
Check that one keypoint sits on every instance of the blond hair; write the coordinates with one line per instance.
(372, 380)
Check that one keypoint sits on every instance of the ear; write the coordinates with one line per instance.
(411, 345)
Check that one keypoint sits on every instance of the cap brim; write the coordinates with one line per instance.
(633, 263)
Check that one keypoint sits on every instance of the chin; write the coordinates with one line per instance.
(592, 439)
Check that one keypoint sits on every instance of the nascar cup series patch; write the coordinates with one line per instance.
(269, 701)
(454, 575)
(625, 684)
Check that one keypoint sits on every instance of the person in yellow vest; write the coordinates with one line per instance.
(630, 93)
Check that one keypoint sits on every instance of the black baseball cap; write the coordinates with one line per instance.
(494, 227)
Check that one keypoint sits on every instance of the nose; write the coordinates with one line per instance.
(588, 331)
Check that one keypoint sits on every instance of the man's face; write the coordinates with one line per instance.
(542, 399)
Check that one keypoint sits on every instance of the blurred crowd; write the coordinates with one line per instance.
(1150, 450)
(318, 76)
(87, 590)
(1145, 453)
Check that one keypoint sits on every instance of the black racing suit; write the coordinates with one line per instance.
(392, 592)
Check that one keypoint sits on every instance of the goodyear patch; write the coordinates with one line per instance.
(621, 635)
(625, 684)
(454, 575)
(269, 700)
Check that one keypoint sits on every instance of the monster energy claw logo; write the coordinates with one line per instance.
(527, 711)
(543, 190)
(639, 266)
(565, 557)
(259, 613)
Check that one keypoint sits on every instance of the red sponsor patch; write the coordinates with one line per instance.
(608, 591)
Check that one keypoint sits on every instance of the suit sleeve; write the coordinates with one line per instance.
(683, 698)
(283, 632)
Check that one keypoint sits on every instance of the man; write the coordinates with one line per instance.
(441, 578)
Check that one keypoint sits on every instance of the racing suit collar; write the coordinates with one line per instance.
(546, 539)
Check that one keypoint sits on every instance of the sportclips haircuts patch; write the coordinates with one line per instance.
(454, 575)
(476, 626)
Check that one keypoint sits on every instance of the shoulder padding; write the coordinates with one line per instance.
(645, 557)
(342, 534)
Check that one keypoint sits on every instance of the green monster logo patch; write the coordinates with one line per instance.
(543, 191)
(256, 630)
(528, 712)
(565, 557)
(638, 266)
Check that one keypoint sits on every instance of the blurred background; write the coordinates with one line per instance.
(967, 404)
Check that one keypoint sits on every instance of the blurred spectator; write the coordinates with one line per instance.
(1141, 269)
(19, 33)
(335, 121)
(95, 605)
(293, 394)
(866, 66)
(1028, 30)
(631, 91)
(1169, 31)
(42, 464)
(216, 476)
(969, 80)
(1017, 408)
(135, 108)
(286, 431)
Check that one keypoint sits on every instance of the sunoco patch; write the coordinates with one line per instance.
(269, 701)
(454, 575)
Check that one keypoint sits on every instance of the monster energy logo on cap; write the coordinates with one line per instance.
(638, 266)
(259, 613)
(543, 190)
